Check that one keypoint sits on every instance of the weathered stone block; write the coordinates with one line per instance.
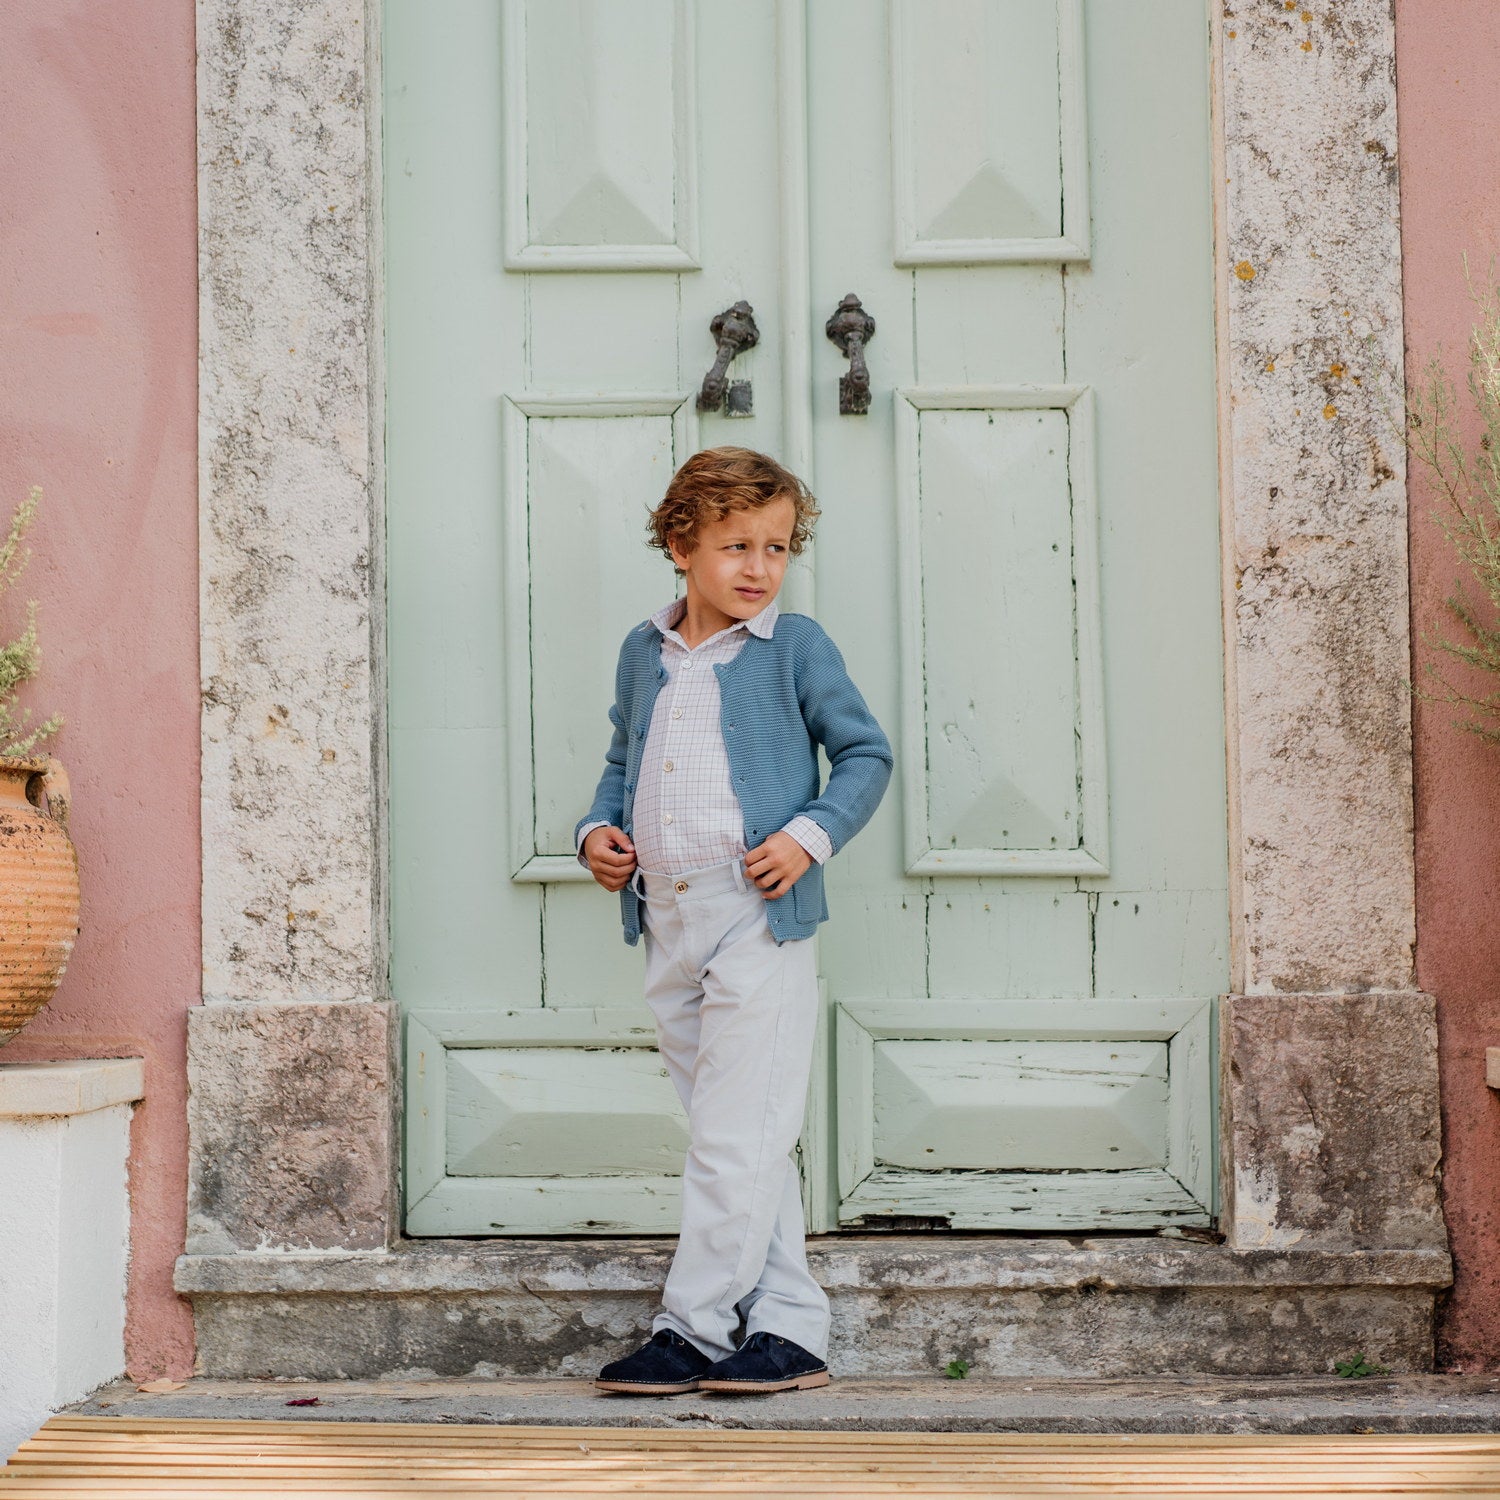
(901, 1306)
(1331, 1131)
(1080, 1333)
(292, 1126)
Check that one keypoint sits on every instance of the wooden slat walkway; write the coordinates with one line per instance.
(97, 1457)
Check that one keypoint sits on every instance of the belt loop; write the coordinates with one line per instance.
(635, 882)
(740, 880)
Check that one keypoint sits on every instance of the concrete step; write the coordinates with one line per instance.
(903, 1306)
(1278, 1404)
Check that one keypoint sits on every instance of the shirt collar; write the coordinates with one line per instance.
(669, 617)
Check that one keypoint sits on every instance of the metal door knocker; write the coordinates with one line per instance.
(734, 331)
(851, 328)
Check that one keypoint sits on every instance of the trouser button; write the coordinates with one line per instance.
(680, 887)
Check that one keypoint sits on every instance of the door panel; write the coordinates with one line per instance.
(554, 261)
(540, 1121)
(601, 136)
(1003, 767)
(1018, 556)
(1038, 1114)
(1045, 334)
(569, 538)
(988, 130)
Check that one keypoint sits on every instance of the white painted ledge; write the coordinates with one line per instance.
(64, 1233)
(77, 1087)
(1492, 1067)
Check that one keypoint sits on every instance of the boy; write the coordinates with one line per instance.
(709, 821)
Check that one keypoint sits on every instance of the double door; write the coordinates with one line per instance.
(1018, 556)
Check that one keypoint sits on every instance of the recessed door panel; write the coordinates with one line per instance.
(601, 134)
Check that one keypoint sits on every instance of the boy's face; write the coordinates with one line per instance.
(738, 564)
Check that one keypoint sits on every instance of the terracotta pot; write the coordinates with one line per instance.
(38, 887)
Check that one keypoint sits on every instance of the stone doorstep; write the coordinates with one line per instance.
(1412, 1403)
(867, 1263)
(903, 1305)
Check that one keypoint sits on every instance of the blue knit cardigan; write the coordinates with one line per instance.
(780, 698)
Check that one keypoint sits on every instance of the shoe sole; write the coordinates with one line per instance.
(641, 1388)
(767, 1387)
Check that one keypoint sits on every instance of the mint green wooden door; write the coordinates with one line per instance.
(1018, 555)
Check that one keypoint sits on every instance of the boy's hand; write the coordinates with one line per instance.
(611, 857)
(776, 865)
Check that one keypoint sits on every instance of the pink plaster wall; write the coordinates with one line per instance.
(1448, 85)
(98, 406)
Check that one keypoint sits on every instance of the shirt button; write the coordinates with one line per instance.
(687, 666)
(666, 765)
(666, 817)
(676, 713)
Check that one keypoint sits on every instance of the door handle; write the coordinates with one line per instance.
(734, 331)
(851, 328)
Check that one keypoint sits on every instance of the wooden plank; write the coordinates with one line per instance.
(1008, 939)
(585, 1470)
(664, 1485)
(214, 1451)
(1036, 1019)
(98, 1457)
(255, 1427)
(377, 1464)
(66, 1430)
(636, 1204)
(1052, 1201)
(704, 1443)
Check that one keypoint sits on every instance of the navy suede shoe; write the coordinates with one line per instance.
(765, 1362)
(666, 1366)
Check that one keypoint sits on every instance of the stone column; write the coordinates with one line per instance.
(1328, 1056)
(291, 1114)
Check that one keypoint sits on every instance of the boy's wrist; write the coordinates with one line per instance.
(584, 830)
(812, 836)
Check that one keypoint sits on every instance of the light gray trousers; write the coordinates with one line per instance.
(736, 1013)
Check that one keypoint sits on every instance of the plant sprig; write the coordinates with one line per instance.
(20, 658)
(1470, 485)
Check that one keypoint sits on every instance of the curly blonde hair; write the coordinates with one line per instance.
(715, 481)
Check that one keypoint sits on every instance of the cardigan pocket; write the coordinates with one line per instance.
(809, 900)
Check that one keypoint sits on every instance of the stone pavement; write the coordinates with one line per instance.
(1287, 1404)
